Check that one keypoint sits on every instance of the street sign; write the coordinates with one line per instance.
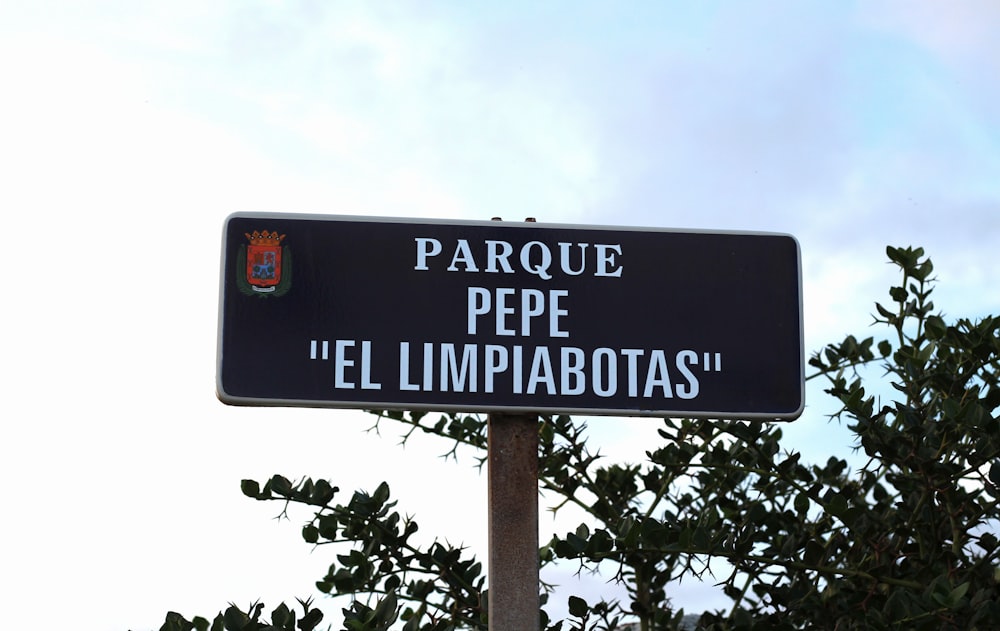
(358, 312)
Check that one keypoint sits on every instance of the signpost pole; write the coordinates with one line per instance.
(512, 454)
(513, 522)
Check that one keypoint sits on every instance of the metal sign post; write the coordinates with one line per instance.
(513, 522)
(512, 453)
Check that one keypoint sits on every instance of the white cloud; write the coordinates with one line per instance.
(963, 31)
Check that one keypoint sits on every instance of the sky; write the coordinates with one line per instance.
(129, 131)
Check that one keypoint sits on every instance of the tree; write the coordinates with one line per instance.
(907, 541)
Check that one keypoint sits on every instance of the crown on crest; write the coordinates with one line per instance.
(264, 238)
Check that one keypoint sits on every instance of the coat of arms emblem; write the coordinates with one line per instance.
(264, 266)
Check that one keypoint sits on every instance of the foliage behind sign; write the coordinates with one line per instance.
(907, 541)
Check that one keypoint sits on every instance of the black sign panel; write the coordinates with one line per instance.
(482, 316)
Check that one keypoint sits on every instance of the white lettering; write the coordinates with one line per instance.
(404, 368)
(542, 268)
(341, 362)
(426, 247)
(479, 304)
(611, 366)
(496, 362)
(541, 371)
(428, 367)
(449, 366)
(366, 367)
(606, 259)
(683, 359)
(453, 367)
(534, 257)
(555, 312)
(532, 304)
(463, 255)
(564, 258)
(503, 310)
(632, 356)
(657, 375)
(572, 361)
(497, 252)
(517, 365)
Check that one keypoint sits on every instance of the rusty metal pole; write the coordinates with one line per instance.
(513, 522)
(512, 457)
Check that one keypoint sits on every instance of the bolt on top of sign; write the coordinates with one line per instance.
(341, 311)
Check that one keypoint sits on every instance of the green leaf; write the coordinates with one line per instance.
(885, 313)
(802, 503)
(385, 612)
(328, 527)
(310, 620)
(175, 622)
(392, 583)
(952, 598)
(577, 544)
(281, 485)
(885, 348)
(381, 493)
(413, 618)
(281, 616)
(922, 271)
(958, 593)
(310, 533)
(250, 488)
(235, 619)
(578, 607)
(322, 493)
